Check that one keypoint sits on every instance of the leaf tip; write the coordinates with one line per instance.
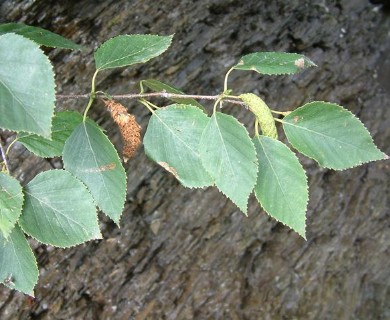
(311, 63)
(301, 231)
(31, 294)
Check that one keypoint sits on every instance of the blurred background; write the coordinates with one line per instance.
(190, 253)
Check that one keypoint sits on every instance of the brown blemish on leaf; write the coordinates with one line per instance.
(9, 280)
(296, 119)
(128, 126)
(300, 63)
(106, 167)
(110, 166)
(168, 168)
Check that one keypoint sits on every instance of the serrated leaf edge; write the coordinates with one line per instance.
(312, 64)
(35, 265)
(62, 247)
(20, 213)
(76, 244)
(80, 47)
(185, 106)
(385, 156)
(55, 86)
(130, 35)
(307, 198)
(40, 155)
(124, 171)
(245, 212)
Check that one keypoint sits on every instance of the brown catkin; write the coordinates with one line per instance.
(128, 126)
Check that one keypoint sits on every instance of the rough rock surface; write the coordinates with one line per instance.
(190, 254)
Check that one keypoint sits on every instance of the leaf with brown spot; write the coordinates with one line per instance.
(18, 266)
(274, 63)
(168, 168)
(172, 140)
(91, 157)
(331, 135)
(110, 166)
(300, 63)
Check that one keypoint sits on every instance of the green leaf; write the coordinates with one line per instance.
(39, 35)
(59, 210)
(229, 156)
(274, 63)
(91, 157)
(172, 140)
(281, 186)
(18, 266)
(27, 89)
(126, 50)
(158, 86)
(11, 202)
(331, 135)
(63, 125)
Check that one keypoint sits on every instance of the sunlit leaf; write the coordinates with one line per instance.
(27, 89)
(172, 140)
(274, 63)
(229, 156)
(11, 202)
(91, 157)
(63, 125)
(331, 135)
(281, 186)
(126, 50)
(59, 210)
(18, 266)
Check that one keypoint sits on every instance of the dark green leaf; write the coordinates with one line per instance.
(27, 89)
(281, 186)
(91, 157)
(331, 135)
(126, 50)
(18, 267)
(274, 62)
(59, 210)
(63, 125)
(11, 202)
(172, 140)
(229, 156)
(39, 35)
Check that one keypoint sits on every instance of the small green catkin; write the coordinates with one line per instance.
(262, 113)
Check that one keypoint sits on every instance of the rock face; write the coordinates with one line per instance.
(190, 254)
